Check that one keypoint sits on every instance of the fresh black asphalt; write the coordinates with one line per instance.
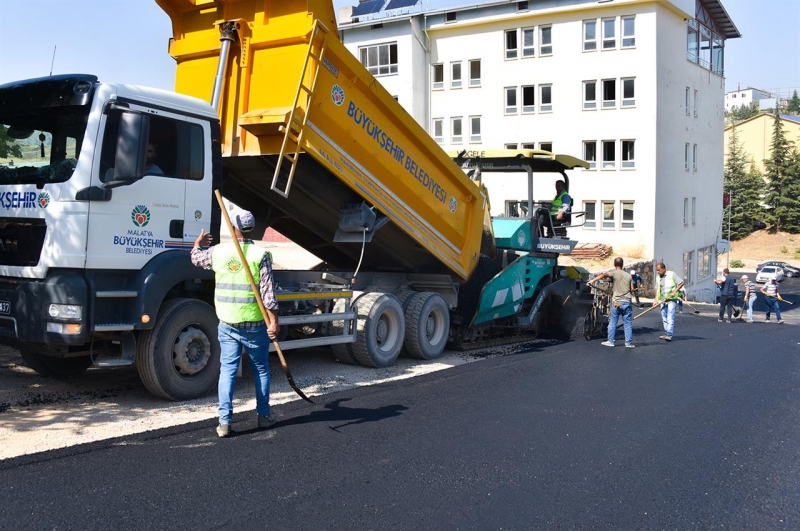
(699, 433)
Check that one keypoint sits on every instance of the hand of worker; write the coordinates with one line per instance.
(655, 303)
(744, 300)
(203, 239)
(272, 329)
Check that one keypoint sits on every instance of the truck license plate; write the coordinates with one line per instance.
(5, 307)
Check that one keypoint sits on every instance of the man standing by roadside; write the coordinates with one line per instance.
(727, 285)
(241, 323)
(622, 286)
(637, 283)
(770, 290)
(668, 284)
(750, 296)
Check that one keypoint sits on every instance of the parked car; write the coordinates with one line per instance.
(767, 272)
(789, 270)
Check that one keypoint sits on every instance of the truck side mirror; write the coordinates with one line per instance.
(129, 160)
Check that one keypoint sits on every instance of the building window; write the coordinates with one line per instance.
(522, 6)
(694, 157)
(380, 59)
(511, 100)
(686, 156)
(589, 35)
(685, 211)
(474, 128)
(694, 211)
(438, 77)
(528, 99)
(628, 92)
(609, 35)
(455, 130)
(691, 41)
(545, 40)
(609, 154)
(609, 93)
(528, 49)
(510, 146)
(528, 145)
(627, 215)
(688, 260)
(590, 153)
(450, 16)
(545, 98)
(628, 32)
(704, 262)
(694, 107)
(589, 95)
(546, 146)
(628, 160)
(475, 73)
(511, 44)
(687, 101)
(438, 127)
(591, 214)
(455, 75)
(609, 219)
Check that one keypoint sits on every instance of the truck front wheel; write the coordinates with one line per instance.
(178, 359)
(55, 367)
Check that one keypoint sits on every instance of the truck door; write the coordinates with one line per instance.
(199, 193)
(146, 217)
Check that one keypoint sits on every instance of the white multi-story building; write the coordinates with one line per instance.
(744, 97)
(633, 86)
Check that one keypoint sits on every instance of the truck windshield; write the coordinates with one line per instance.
(40, 147)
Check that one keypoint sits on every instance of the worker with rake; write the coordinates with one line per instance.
(668, 285)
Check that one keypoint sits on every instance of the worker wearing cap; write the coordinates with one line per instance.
(241, 323)
(773, 295)
(637, 283)
(750, 296)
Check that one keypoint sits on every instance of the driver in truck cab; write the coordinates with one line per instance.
(240, 321)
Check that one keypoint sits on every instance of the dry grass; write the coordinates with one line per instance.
(763, 245)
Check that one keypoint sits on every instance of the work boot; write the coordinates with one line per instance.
(223, 430)
(265, 422)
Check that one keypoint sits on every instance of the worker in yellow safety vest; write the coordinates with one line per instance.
(668, 287)
(241, 323)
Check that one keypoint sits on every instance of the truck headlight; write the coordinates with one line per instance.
(65, 311)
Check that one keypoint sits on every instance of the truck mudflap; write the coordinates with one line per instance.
(557, 312)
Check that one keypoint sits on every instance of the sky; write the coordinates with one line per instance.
(126, 41)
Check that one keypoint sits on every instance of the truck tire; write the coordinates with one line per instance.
(381, 330)
(46, 365)
(427, 326)
(178, 359)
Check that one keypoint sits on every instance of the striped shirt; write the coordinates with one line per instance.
(202, 258)
(771, 289)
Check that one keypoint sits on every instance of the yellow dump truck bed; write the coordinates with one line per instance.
(353, 142)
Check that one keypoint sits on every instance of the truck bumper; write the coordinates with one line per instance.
(25, 304)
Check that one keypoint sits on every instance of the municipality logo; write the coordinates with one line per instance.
(43, 200)
(198, 214)
(521, 238)
(140, 216)
(233, 265)
(453, 204)
(337, 95)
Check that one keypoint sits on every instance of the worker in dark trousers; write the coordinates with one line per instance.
(638, 282)
(727, 285)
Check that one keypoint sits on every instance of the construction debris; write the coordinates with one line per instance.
(591, 251)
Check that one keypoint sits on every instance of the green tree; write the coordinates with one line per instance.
(8, 146)
(743, 112)
(745, 189)
(794, 105)
(783, 182)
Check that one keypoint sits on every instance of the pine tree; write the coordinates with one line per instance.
(8, 146)
(745, 189)
(794, 105)
(783, 182)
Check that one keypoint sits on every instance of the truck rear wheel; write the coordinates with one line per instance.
(427, 326)
(55, 367)
(381, 329)
(178, 359)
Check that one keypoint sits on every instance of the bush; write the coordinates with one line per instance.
(784, 250)
(737, 263)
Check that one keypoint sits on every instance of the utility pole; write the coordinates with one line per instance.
(54, 60)
(730, 213)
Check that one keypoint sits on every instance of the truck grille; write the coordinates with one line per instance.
(21, 241)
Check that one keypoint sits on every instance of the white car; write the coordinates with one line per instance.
(767, 272)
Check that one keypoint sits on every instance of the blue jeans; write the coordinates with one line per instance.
(750, 302)
(668, 317)
(231, 341)
(772, 304)
(626, 310)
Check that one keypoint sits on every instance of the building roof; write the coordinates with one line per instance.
(788, 117)
(722, 19)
